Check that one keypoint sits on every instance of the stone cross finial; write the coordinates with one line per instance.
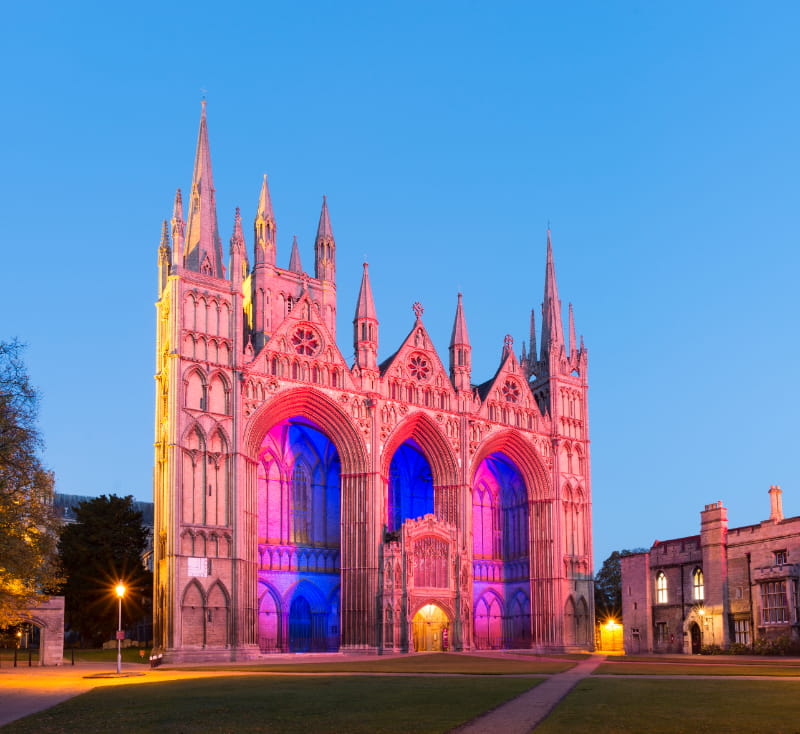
(508, 342)
(418, 310)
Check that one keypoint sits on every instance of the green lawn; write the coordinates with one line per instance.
(129, 655)
(693, 668)
(434, 663)
(279, 704)
(603, 706)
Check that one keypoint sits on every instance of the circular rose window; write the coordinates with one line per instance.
(419, 367)
(511, 391)
(305, 341)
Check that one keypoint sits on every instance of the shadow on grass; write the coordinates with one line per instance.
(289, 705)
(441, 663)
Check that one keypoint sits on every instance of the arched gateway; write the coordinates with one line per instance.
(308, 503)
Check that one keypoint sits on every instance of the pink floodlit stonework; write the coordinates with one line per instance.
(306, 504)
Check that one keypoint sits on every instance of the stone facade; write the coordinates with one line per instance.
(304, 503)
(723, 586)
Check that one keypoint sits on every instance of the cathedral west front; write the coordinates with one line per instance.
(306, 504)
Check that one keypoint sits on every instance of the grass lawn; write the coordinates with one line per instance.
(694, 668)
(434, 663)
(279, 704)
(603, 706)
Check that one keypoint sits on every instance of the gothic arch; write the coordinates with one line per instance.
(320, 409)
(435, 448)
(524, 457)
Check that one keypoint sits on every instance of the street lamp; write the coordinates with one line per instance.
(120, 589)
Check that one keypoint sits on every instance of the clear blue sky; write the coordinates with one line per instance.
(659, 139)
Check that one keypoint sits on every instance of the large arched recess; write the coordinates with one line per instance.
(426, 436)
(545, 611)
(359, 566)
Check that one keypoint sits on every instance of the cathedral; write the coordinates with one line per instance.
(305, 504)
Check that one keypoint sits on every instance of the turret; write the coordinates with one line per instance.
(238, 262)
(164, 259)
(365, 327)
(265, 229)
(325, 247)
(294, 259)
(178, 229)
(202, 248)
(460, 351)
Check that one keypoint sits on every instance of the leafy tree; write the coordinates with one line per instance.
(28, 523)
(608, 585)
(102, 547)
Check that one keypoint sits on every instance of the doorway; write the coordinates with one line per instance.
(694, 631)
(431, 628)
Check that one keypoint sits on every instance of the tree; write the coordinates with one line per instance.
(28, 522)
(102, 547)
(608, 585)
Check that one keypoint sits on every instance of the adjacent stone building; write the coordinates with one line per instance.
(723, 586)
(305, 503)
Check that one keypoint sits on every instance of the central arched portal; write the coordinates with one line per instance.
(431, 629)
(410, 486)
(299, 531)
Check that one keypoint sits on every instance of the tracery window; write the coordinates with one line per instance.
(661, 588)
(301, 500)
(698, 586)
(305, 342)
(511, 391)
(419, 367)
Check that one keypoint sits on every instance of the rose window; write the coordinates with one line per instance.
(419, 367)
(511, 391)
(305, 342)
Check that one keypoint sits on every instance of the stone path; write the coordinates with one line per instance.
(524, 713)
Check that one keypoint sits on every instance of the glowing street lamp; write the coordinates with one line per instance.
(120, 589)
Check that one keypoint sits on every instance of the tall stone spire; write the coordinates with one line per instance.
(460, 351)
(573, 342)
(325, 247)
(365, 326)
(552, 328)
(265, 228)
(238, 252)
(294, 259)
(203, 248)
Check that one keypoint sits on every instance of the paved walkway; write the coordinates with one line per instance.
(522, 714)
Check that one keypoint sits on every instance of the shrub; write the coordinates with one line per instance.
(711, 650)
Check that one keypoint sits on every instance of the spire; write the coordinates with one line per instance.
(365, 326)
(573, 342)
(238, 251)
(532, 353)
(164, 258)
(178, 226)
(203, 249)
(265, 227)
(294, 259)
(460, 350)
(325, 247)
(365, 309)
(552, 328)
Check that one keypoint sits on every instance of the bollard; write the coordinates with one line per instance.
(29, 657)
(15, 657)
(73, 654)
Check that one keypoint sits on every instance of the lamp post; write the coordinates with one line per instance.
(120, 589)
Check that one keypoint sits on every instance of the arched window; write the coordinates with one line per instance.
(661, 588)
(301, 496)
(698, 588)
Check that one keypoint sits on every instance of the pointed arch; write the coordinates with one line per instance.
(269, 618)
(217, 615)
(523, 455)
(195, 389)
(192, 615)
(219, 391)
(488, 620)
(569, 622)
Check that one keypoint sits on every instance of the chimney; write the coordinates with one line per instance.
(775, 503)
